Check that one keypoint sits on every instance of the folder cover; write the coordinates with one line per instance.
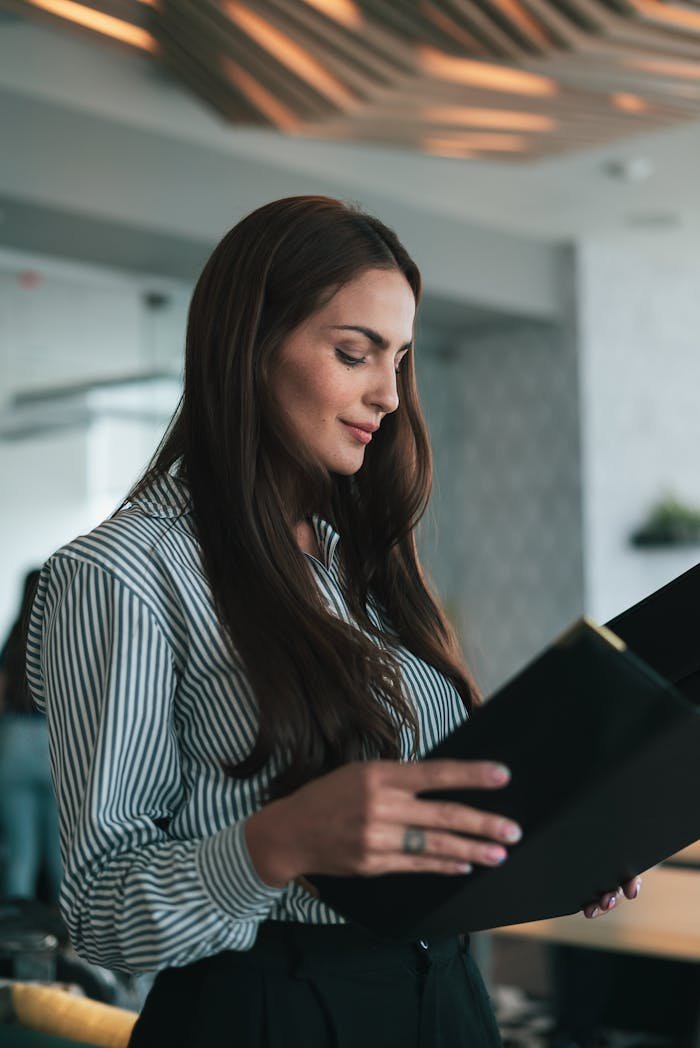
(663, 630)
(605, 761)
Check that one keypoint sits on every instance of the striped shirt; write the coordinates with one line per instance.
(144, 703)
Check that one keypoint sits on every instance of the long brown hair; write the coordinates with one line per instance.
(327, 692)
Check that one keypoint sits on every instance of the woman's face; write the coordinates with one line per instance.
(335, 376)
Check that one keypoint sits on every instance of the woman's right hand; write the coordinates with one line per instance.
(354, 819)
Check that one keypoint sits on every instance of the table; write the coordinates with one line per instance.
(663, 922)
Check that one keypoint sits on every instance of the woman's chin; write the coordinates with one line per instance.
(346, 465)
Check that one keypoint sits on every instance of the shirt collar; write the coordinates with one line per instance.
(327, 538)
(165, 496)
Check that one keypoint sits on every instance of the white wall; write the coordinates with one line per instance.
(639, 347)
(75, 323)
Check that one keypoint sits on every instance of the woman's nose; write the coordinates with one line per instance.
(384, 393)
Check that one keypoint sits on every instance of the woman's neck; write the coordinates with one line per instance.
(306, 538)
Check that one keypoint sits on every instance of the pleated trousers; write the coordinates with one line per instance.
(312, 986)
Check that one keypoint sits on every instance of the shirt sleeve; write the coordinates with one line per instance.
(134, 898)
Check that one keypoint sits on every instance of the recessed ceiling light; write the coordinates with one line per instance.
(629, 169)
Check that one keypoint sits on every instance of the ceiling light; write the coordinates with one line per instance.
(665, 67)
(89, 18)
(147, 397)
(466, 116)
(344, 11)
(629, 169)
(667, 14)
(483, 74)
(629, 103)
(479, 141)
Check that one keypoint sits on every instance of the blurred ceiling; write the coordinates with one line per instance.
(500, 79)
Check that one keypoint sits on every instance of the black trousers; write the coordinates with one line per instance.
(310, 986)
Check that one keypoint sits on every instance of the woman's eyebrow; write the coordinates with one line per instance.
(373, 336)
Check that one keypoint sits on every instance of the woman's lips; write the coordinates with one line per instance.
(359, 434)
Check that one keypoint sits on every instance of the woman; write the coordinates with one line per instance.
(241, 665)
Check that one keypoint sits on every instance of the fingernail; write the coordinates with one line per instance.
(511, 832)
(500, 773)
(464, 867)
(496, 854)
(637, 889)
(596, 912)
(611, 902)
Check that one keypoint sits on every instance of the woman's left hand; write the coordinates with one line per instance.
(608, 901)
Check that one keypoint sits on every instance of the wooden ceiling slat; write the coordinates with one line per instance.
(564, 117)
(522, 23)
(613, 68)
(127, 10)
(557, 22)
(212, 25)
(89, 34)
(586, 131)
(374, 51)
(322, 74)
(358, 67)
(479, 21)
(227, 102)
(457, 36)
(568, 99)
(669, 16)
(617, 27)
(404, 21)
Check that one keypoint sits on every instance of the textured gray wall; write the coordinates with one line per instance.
(503, 541)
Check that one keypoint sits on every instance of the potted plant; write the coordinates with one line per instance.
(670, 523)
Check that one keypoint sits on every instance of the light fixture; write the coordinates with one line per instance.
(496, 119)
(675, 68)
(630, 103)
(148, 397)
(346, 12)
(666, 14)
(484, 74)
(629, 169)
(485, 140)
(99, 22)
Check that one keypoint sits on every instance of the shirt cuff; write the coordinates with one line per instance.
(229, 877)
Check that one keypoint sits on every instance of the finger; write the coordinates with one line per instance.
(632, 887)
(453, 817)
(608, 901)
(604, 904)
(447, 775)
(457, 849)
(398, 862)
(384, 840)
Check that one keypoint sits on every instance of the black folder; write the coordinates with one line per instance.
(605, 760)
(663, 630)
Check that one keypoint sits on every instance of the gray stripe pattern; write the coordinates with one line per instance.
(144, 702)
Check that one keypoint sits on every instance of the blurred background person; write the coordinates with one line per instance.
(28, 821)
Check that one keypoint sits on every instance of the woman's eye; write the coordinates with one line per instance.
(347, 359)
